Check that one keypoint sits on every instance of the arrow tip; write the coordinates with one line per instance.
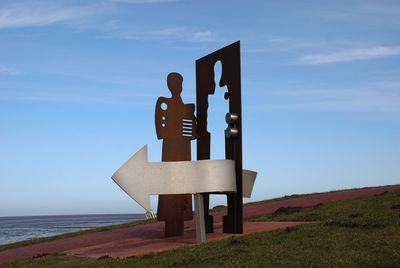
(249, 178)
(129, 176)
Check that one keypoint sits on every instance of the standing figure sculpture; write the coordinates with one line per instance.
(176, 126)
(229, 57)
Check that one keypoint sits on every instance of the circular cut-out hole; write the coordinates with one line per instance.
(163, 124)
(163, 118)
(226, 95)
(164, 106)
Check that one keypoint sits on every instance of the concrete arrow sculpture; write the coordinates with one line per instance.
(140, 178)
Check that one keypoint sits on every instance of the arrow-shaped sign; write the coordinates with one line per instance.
(140, 178)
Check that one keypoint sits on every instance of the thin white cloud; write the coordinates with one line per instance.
(43, 13)
(351, 55)
(380, 14)
(203, 36)
(142, 1)
(112, 89)
(35, 14)
(4, 70)
(82, 96)
(182, 33)
(392, 85)
(116, 29)
(268, 44)
(287, 44)
(296, 43)
(377, 98)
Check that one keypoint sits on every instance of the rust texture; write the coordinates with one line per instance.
(229, 56)
(176, 126)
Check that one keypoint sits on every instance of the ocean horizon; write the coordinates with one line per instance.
(19, 228)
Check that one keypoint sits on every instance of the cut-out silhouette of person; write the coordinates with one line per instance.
(218, 107)
(176, 126)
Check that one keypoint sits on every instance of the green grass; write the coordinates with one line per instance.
(72, 234)
(373, 210)
(222, 207)
(363, 232)
(129, 224)
(292, 196)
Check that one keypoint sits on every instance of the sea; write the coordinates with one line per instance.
(14, 229)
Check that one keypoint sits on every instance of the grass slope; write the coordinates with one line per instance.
(130, 224)
(363, 232)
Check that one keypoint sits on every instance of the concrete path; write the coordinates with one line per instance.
(147, 238)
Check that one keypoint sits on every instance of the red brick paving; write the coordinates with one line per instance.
(137, 244)
(148, 238)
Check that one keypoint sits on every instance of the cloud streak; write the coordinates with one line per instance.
(381, 98)
(142, 1)
(36, 14)
(351, 55)
(115, 29)
(82, 96)
(44, 13)
(4, 70)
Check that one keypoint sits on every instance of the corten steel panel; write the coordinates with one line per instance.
(176, 126)
(205, 86)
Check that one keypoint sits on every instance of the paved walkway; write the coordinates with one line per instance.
(148, 238)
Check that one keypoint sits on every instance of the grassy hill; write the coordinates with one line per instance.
(363, 232)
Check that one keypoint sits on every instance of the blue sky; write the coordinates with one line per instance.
(79, 81)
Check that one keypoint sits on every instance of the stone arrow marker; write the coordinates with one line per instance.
(140, 178)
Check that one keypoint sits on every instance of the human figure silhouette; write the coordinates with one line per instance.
(176, 126)
(218, 107)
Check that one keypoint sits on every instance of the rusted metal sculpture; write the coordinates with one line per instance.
(176, 126)
(205, 86)
(176, 178)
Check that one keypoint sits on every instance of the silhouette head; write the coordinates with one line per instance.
(219, 76)
(174, 82)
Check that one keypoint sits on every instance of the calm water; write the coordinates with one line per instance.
(13, 229)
